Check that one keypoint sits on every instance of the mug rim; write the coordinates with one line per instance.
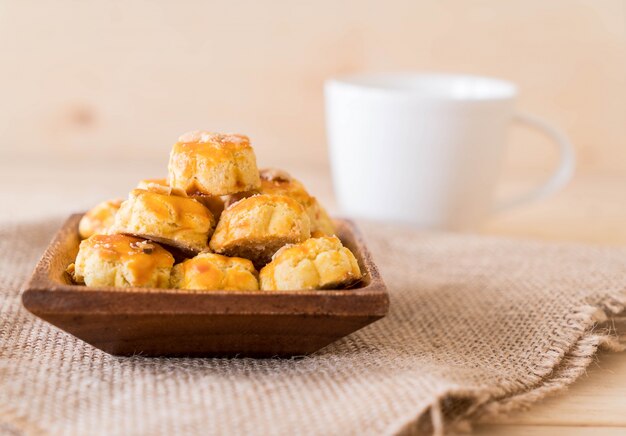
(460, 87)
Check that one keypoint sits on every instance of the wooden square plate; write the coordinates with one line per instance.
(170, 322)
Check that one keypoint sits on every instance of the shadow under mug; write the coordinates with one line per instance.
(427, 149)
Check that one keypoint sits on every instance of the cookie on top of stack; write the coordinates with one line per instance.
(215, 223)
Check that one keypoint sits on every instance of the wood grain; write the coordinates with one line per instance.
(158, 322)
(96, 80)
(547, 430)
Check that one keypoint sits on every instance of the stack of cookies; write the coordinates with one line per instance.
(215, 223)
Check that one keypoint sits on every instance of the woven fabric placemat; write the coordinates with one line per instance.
(477, 326)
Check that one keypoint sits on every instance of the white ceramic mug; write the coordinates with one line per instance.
(426, 149)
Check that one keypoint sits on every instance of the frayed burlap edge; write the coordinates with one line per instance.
(571, 353)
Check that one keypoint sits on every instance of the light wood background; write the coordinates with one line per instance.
(93, 94)
(121, 80)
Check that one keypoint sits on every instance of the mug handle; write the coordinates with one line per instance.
(561, 175)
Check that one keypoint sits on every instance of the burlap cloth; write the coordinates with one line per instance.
(477, 326)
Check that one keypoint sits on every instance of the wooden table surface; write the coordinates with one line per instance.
(591, 209)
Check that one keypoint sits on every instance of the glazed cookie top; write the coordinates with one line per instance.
(207, 163)
(164, 207)
(231, 140)
(142, 258)
(99, 218)
(215, 272)
(210, 148)
(160, 186)
(279, 182)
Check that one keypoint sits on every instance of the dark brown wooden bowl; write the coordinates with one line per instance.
(171, 322)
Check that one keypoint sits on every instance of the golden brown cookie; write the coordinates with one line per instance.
(152, 184)
(99, 218)
(278, 182)
(317, 263)
(256, 227)
(169, 219)
(214, 204)
(120, 260)
(212, 272)
(213, 164)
